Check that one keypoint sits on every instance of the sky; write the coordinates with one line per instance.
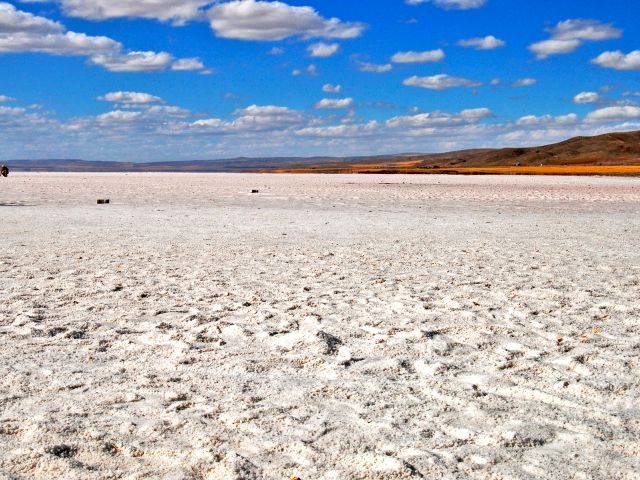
(145, 80)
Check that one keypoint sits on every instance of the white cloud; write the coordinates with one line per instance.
(267, 21)
(451, 4)
(176, 10)
(586, 97)
(568, 35)
(187, 65)
(323, 50)
(440, 82)
(310, 70)
(154, 130)
(418, 57)
(619, 60)
(495, 82)
(24, 32)
(524, 82)
(533, 120)
(130, 97)
(583, 29)
(254, 118)
(69, 43)
(134, 61)
(334, 103)
(547, 48)
(165, 111)
(140, 117)
(6, 111)
(335, 131)
(607, 114)
(268, 111)
(4, 98)
(440, 119)
(328, 88)
(117, 116)
(16, 21)
(19, 121)
(483, 43)
(374, 68)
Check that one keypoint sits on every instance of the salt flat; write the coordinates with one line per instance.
(328, 327)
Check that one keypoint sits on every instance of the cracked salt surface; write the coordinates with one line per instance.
(404, 327)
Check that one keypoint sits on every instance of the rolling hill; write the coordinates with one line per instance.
(612, 153)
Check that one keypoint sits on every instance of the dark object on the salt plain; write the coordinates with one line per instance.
(103, 201)
(61, 451)
(255, 191)
(4, 171)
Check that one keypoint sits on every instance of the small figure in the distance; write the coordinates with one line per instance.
(4, 171)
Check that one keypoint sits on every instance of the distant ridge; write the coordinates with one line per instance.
(240, 164)
(599, 153)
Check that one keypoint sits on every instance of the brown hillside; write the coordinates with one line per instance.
(608, 149)
(609, 154)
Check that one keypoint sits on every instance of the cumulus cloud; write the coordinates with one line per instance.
(4, 98)
(134, 61)
(627, 112)
(150, 129)
(20, 121)
(483, 43)
(336, 131)
(6, 111)
(374, 68)
(440, 119)
(586, 97)
(176, 10)
(334, 103)
(268, 21)
(451, 4)
(239, 19)
(328, 88)
(568, 35)
(547, 48)
(533, 120)
(323, 50)
(13, 20)
(130, 97)
(584, 29)
(69, 43)
(618, 60)
(187, 65)
(133, 119)
(117, 116)
(418, 57)
(440, 82)
(25, 32)
(254, 118)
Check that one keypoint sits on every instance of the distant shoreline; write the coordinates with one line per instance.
(573, 170)
(611, 154)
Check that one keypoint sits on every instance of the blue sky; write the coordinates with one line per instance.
(143, 80)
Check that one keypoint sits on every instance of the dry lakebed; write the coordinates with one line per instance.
(326, 327)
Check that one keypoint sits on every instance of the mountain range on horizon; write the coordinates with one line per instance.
(612, 149)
